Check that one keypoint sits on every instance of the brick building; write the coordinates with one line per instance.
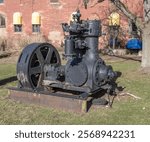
(51, 14)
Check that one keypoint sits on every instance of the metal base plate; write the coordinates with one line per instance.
(58, 100)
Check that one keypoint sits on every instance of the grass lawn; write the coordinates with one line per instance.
(7, 70)
(125, 110)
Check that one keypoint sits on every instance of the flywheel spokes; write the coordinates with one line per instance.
(32, 61)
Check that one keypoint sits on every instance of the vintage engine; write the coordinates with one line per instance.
(39, 64)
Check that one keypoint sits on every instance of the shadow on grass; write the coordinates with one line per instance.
(8, 80)
(128, 58)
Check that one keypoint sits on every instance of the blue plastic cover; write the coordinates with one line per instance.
(134, 44)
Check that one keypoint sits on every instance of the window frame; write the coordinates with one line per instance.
(2, 21)
(54, 1)
(36, 28)
(19, 26)
(1, 2)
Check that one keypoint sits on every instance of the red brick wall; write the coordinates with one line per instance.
(52, 15)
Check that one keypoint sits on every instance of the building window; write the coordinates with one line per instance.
(35, 28)
(134, 27)
(17, 28)
(54, 1)
(17, 22)
(2, 21)
(36, 22)
(1, 1)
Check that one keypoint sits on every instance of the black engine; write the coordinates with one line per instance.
(39, 64)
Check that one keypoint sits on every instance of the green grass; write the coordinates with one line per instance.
(7, 70)
(126, 110)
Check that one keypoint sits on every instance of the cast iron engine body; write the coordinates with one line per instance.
(39, 64)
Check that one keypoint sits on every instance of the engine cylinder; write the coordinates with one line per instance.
(69, 47)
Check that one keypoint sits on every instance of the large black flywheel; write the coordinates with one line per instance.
(31, 64)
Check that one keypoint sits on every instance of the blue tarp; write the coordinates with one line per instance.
(134, 44)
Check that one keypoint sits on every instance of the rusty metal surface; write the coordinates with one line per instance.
(53, 101)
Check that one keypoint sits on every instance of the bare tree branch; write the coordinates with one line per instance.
(95, 2)
(121, 6)
(128, 13)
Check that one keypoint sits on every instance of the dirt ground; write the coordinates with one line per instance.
(12, 59)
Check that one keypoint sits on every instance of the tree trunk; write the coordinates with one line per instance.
(146, 46)
(146, 35)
